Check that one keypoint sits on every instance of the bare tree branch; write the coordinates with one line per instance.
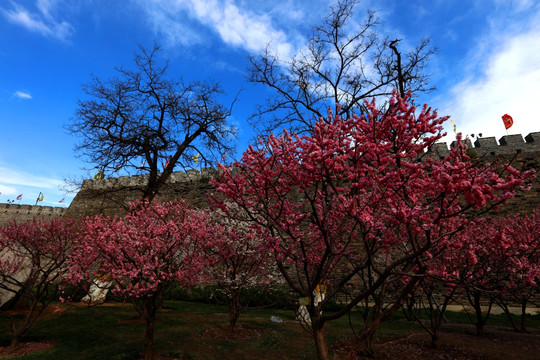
(337, 67)
(144, 121)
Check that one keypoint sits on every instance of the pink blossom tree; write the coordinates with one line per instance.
(474, 264)
(144, 252)
(494, 260)
(514, 259)
(359, 200)
(449, 277)
(33, 258)
(433, 299)
(241, 257)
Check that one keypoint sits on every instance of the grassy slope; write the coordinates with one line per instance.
(115, 332)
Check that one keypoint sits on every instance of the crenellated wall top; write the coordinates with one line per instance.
(508, 144)
(141, 180)
(21, 213)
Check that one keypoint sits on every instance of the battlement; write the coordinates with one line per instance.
(176, 177)
(111, 196)
(23, 213)
(488, 146)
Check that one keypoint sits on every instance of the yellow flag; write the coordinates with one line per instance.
(99, 175)
(40, 198)
(195, 158)
(453, 123)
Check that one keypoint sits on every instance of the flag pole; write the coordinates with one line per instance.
(37, 199)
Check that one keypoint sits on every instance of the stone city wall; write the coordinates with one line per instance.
(23, 213)
(523, 153)
(110, 196)
(507, 145)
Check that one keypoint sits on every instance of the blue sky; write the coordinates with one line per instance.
(488, 64)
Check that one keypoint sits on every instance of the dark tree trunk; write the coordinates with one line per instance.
(435, 339)
(509, 315)
(147, 308)
(149, 338)
(14, 343)
(18, 329)
(320, 342)
(474, 300)
(365, 339)
(478, 313)
(234, 309)
(523, 328)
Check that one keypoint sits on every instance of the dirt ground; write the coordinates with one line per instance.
(495, 344)
(25, 349)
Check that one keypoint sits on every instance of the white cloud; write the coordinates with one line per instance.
(14, 177)
(24, 95)
(236, 26)
(166, 19)
(14, 182)
(43, 22)
(518, 5)
(509, 83)
(7, 190)
(45, 6)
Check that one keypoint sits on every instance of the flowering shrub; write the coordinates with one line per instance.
(502, 259)
(152, 247)
(358, 200)
(33, 259)
(242, 259)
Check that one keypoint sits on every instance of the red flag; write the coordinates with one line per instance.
(508, 121)
(61, 201)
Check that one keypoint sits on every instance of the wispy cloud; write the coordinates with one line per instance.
(12, 177)
(41, 22)
(236, 26)
(504, 78)
(14, 182)
(7, 190)
(24, 95)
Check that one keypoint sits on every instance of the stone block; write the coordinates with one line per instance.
(515, 140)
(488, 142)
(533, 137)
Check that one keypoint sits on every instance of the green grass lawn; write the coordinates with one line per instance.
(184, 331)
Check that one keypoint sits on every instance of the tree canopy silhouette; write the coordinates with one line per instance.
(144, 121)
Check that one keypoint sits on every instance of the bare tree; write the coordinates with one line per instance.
(344, 63)
(143, 120)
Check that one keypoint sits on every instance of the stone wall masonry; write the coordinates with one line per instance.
(488, 146)
(176, 177)
(110, 196)
(23, 213)
(522, 153)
